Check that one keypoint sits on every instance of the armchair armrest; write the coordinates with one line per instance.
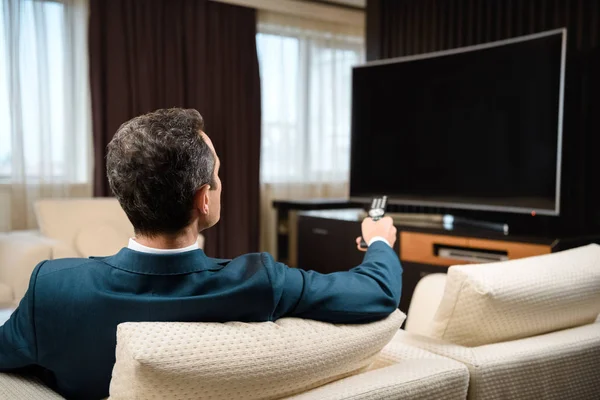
(434, 346)
(20, 252)
(397, 351)
(417, 379)
(556, 364)
(400, 371)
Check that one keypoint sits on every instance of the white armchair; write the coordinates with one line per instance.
(287, 359)
(526, 329)
(83, 227)
(558, 365)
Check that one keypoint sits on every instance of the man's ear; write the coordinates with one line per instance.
(201, 199)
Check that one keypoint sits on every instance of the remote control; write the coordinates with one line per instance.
(376, 212)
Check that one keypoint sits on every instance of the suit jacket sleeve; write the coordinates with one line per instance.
(17, 336)
(366, 293)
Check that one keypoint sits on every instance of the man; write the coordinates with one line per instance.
(164, 171)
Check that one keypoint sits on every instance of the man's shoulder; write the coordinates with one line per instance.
(248, 262)
(63, 265)
(259, 258)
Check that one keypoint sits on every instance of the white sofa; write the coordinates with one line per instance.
(290, 358)
(526, 329)
(67, 228)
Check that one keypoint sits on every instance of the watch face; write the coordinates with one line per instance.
(376, 212)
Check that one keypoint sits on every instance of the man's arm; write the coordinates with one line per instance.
(17, 336)
(366, 293)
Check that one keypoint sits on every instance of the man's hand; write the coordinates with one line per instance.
(384, 228)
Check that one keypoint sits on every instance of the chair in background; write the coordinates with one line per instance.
(67, 228)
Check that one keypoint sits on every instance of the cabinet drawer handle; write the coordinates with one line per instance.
(319, 231)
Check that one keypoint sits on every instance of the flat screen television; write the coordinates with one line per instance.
(476, 128)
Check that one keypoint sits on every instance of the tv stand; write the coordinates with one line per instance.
(326, 243)
(447, 249)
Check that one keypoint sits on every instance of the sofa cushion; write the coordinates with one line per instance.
(237, 360)
(425, 379)
(496, 302)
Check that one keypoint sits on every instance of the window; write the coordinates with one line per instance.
(306, 97)
(44, 107)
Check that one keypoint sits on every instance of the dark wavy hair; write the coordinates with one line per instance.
(155, 164)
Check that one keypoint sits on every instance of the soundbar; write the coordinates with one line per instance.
(469, 255)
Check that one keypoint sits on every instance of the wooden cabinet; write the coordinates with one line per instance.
(424, 248)
(286, 224)
(326, 244)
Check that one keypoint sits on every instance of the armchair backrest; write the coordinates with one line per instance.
(84, 227)
(236, 360)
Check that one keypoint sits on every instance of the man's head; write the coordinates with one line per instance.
(163, 169)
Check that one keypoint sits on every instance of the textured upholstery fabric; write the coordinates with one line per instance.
(241, 360)
(16, 387)
(415, 374)
(396, 352)
(84, 227)
(425, 379)
(410, 379)
(496, 302)
(557, 365)
(424, 303)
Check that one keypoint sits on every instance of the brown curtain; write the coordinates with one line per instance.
(398, 28)
(200, 54)
(405, 27)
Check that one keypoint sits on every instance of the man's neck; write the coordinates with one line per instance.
(179, 241)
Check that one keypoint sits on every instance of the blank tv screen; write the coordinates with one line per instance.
(475, 128)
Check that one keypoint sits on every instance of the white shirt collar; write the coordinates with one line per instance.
(133, 245)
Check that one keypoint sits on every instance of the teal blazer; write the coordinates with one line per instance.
(65, 327)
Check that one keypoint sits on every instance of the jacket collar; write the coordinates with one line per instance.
(162, 264)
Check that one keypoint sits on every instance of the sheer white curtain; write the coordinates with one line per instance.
(45, 129)
(306, 69)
